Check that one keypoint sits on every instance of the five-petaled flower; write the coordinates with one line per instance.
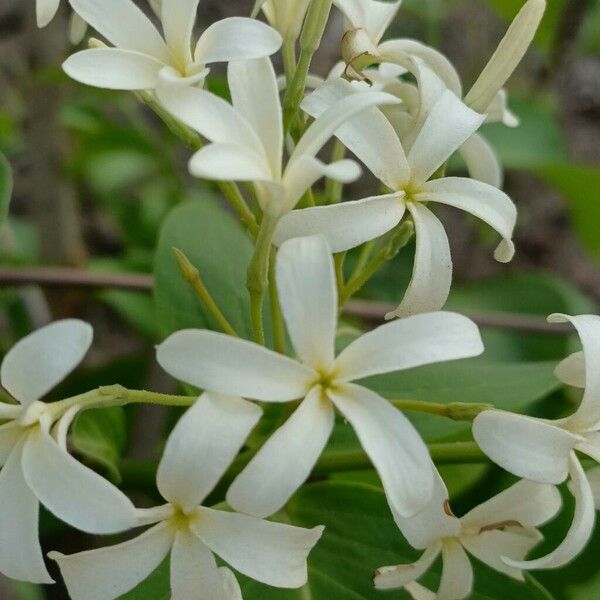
(36, 465)
(409, 174)
(142, 59)
(308, 295)
(198, 452)
(545, 451)
(505, 525)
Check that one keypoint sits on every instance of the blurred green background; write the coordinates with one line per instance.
(99, 184)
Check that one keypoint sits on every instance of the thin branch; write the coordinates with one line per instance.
(373, 312)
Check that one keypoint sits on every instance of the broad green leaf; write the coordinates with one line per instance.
(5, 188)
(219, 248)
(579, 185)
(101, 435)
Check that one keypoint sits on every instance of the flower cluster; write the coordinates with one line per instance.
(398, 106)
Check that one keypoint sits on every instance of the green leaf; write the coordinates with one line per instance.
(5, 188)
(219, 248)
(101, 435)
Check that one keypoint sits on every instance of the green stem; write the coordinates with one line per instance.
(457, 411)
(191, 274)
(276, 315)
(363, 259)
(258, 276)
(339, 260)
(288, 52)
(333, 188)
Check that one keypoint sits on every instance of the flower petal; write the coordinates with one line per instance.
(397, 451)
(507, 56)
(499, 112)
(72, 491)
(482, 161)
(114, 69)
(236, 38)
(308, 297)
(20, 553)
(525, 446)
(228, 365)
(10, 434)
(254, 93)
(271, 553)
(391, 578)
(38, 362)
(408, 343)
(124, 25)
(375, 17)
(529, 503)
(581, 528)
(588, 328)
(432, 271)
(178, 19)
(232, 587)
(229, 162)
(369, 135)
(593, 477)
(571, 371)
(285, 461)
(440, 136)
(202, 446)
(480, 199)
(45, 11)
(77, 29)
(457, 572)
(194, 568)
(109, 572)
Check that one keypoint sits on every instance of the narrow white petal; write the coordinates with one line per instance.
(209, 115)
(285, 461)
(525, 446)
(391, 578)
(507, 57)
(499, 112)
(419, 592)
(457, 572)
(308, 297)
(593, 477)
(72, 491)
(254, 93)
(194, 569)
(581, 528)
(433, 523)
(217, 362)
(432, 271)
(480, 199)
(236, 38)
(45, 11)
(441, 136)
(529, 503)
(375, 17)
(229, 162)
(114, 69)
(411, 342)
(231, 585)
(482, 161)
(491, 546)
(345, 225)
(10, 434)
(369, 135)
(271, 553)
(571, 370)
(38, 362)
(124, 25)
(588, 328)
(77, 29)
(110, 572)
(20, 552)
(178, 19)
(202, 446)
(397, 451)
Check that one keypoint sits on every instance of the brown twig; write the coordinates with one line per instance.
(373, 312)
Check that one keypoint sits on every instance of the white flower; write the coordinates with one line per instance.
(307, 291)
(285, 16)
(198, 452)
(248, 135)
(142, 58)
(544, 451)
(45, 11)
(503, 526)
(36, 467)
(446, 124)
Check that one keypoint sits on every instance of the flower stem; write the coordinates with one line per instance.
(288, 52)
(339, 260)
(457, 411)
(333, 188)
(258, 276)
(276, 315)
(191, 274)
